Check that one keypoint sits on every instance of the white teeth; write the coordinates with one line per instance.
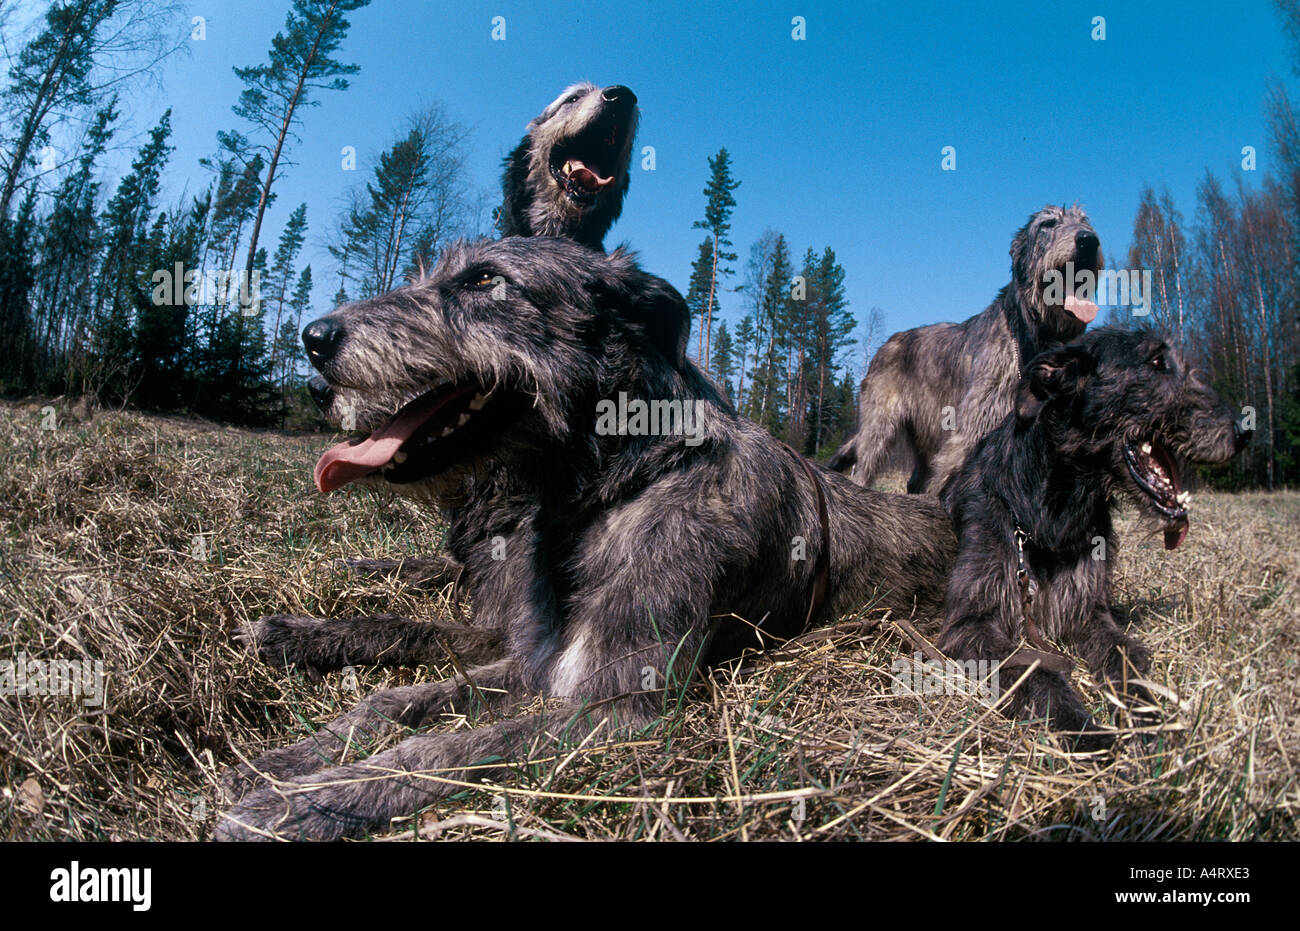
(399, 457)
(477, 403)
(464, 419)
(449, 431)
(568, 169)
(1185, 498)
(1146, 448)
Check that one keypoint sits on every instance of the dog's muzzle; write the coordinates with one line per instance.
(322, 338)
(320, 392)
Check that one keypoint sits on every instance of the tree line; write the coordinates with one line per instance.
(1226, 286)
(785, 366)
(108, 291)
(186, 306)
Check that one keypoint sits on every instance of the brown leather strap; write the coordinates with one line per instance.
(1050, 657)
(822, 567)
(1054, 660)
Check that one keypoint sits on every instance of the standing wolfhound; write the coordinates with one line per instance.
(940, 388)
(1032, 509)
(619, 553)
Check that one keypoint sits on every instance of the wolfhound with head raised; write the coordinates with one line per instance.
(618, 549)
(569, 174)
(1112, 413)
(939, 389)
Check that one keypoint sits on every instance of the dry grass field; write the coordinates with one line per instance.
(143, 541)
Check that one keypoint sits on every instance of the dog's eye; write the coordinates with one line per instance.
(484, 281)
(574, 99)
(1158, 362)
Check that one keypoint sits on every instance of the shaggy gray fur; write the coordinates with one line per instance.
(970, 367)
(607, 568)
(596, 124)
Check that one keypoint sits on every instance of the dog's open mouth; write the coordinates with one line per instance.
(1156, 475)
(1079, 301)
(583, 166)
(418, 441)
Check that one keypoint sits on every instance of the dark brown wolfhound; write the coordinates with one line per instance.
(1112, 412)
(633, 520)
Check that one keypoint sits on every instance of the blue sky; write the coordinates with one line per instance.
(836, 139)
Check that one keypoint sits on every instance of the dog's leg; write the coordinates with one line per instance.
(980, 413)
(378, 640)
(375, 716)
(982, 623)
(423, 571)
(1116, 658)
(347, 800)
(880, 417)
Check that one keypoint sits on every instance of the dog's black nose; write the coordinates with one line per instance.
(320, 391)
(1086, 240)
(1243, 435)
(321, 339)
(617, 93)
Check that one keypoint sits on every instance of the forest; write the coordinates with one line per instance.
(108, 291)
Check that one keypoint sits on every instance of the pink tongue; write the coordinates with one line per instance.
(585, 176)
(1084, 310)
(344, 463)
(1175, 535)
(348, 461)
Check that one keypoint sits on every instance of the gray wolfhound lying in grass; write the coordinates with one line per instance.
(1110, 413)
(569, 175)
(605, 564)
(940, 388)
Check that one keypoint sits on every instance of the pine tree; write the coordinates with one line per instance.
(416, 201)
(54, 78)
(16, 279)
(831, 332)
(281, 271)
(126, 223)
(51, 73)
(766, 396)
(697, 293)
(67, 254)
(717, 220)
(744, 337)
(288, 346)
(724, 363)
(298, 64)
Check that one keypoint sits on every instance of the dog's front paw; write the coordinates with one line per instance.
(285, 763)
(1087, 737)
(301, 810)
(237, 781)
(280, 640)
(260, 816)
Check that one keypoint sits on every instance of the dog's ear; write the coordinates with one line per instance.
(1054, 372)
(1019, 254)
(656, 310)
